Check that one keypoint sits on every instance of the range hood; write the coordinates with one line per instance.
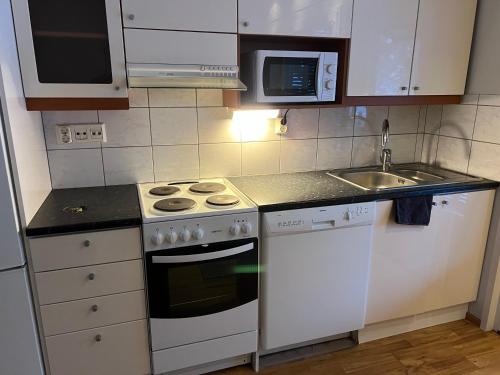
(182, 76)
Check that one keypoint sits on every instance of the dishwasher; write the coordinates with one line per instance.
(316, 264)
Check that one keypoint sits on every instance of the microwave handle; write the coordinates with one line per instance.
(320, 76)
(167, 259)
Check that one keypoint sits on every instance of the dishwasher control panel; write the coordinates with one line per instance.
(318, 218)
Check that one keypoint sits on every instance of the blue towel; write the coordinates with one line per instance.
(413, 211)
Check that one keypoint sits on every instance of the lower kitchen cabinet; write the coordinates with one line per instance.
(416, 269)
(119, 349)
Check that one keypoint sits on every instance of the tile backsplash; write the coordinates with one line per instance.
(183, 134)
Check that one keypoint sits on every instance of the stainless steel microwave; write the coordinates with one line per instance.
(291, 76)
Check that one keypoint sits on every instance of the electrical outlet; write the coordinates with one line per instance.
(80, 133)
(63, 134)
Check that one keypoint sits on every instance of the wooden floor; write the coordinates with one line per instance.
(453, 348)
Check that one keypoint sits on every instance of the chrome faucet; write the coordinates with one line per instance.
(385, 156)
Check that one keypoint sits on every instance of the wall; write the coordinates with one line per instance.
(465, 137)
(178, 134)
(24, 128)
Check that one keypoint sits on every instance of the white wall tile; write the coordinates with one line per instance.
(127, 128)
(259, 158)
(429, 148)
(128, 165)
(302, 124)
(402, 147)
(433, 119)
(138, 97)
(220, 160)
(209, 98)
(174, 126)
(215, 125)
(487, 124)
(485, 160)
(453, 153)
(336, 122)
(76, 168)
(334, 153)
(404, 119)
(369, 120)
(176, 163)
(52, 119)
(172, 97)
(493, 100)
(298, 155)
(419, 147)
(421, 119)
(470, 99)
(458, 121)
(366, 151)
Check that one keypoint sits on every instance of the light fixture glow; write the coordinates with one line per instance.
(254, 125)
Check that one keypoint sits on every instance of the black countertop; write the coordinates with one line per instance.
(86, 209)
(315, 189)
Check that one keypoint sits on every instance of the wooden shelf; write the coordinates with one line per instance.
(74, 35)
(76, 104)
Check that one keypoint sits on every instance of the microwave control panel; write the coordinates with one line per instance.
(330, 65)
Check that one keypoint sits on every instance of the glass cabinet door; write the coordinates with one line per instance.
(70, 40)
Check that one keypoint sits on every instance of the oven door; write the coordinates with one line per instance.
(289, 76)
(202, 292)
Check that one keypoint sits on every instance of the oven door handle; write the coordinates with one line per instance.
(166, 259)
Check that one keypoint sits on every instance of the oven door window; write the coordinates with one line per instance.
(197, 288)
(290, 76)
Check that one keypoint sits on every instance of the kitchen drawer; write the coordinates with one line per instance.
(123, 349)
(93, 312)
(177, 47)
(189, 15)
(76, 250)
(92, 281)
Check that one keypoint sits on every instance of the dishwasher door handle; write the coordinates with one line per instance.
(322, 225)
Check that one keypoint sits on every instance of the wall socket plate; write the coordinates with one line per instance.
(80, 133)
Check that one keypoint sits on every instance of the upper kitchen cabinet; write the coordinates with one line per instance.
(442, 47)
(382, 51)
(71, 55)
(315, 18)
(415, 47)
(186, 15)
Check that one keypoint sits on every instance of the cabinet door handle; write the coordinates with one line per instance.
(95, 308)
(245, 23)
(131, 17)
(98, 338)
(404, 88)
(445, 203)
(86, 243)
(91, 276)
(416, 88)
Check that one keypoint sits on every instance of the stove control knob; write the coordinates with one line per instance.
(171, 237)
(185, 235)
(246, 228)
(348, 215)
(198, 234)
(235, 229)
(329, 85)
(157, 238)
(330, 69)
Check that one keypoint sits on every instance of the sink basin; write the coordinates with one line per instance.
(375, 180)
(419, 175)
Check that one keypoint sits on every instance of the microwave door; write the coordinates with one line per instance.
(290, 79)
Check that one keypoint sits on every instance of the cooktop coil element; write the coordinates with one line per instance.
(164, 190)
(174, 204)
(207, 188)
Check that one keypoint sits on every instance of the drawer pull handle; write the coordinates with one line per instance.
(98, 338)
(95, 308)
(91, 276)
(86, 243)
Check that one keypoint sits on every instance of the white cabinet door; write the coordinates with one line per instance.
(177, 47)
(416, 269)
(318, 18)
(188, 15)
(382, 51)
(442, 47)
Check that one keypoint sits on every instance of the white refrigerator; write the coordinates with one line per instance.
(19, 344)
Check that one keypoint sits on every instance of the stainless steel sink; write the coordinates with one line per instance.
(419, 175)
(375, 180)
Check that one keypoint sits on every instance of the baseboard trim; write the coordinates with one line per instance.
(473, 319)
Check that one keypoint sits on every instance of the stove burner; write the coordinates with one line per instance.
(174, 204)
(207, 188)
(164, 190)
(223, 200)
